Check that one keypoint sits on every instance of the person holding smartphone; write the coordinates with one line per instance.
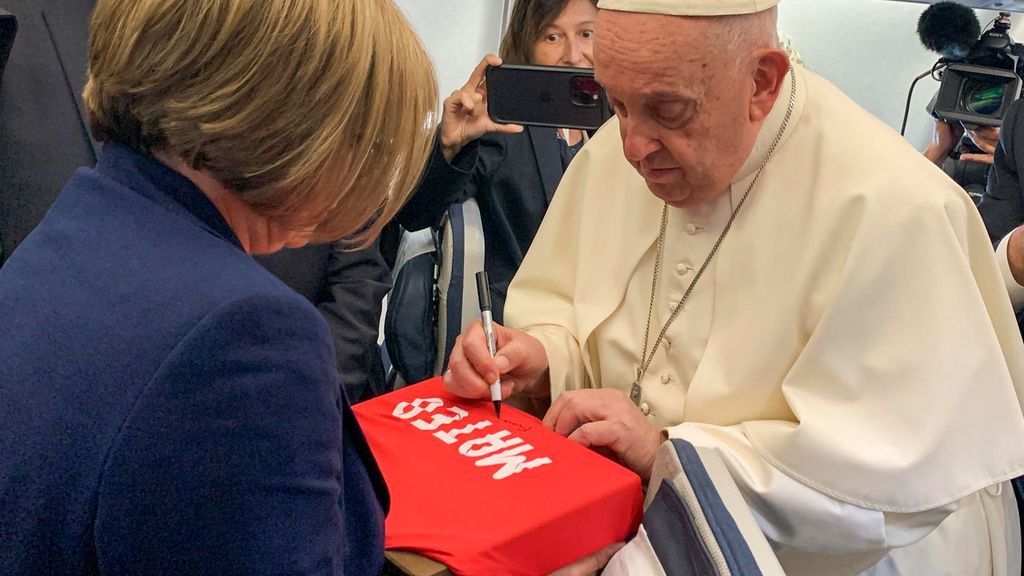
(511, 171)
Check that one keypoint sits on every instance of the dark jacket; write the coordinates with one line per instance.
(347, 287)
(169, 407)
(43, 139)
(513, 178)
(1002, 204)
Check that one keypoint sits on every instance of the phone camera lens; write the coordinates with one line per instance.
(584, 91)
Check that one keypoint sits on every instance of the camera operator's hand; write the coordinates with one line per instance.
(944, 139)
(986, 138)
(465, 117)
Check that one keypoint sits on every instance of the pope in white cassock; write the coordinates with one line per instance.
(746, 259)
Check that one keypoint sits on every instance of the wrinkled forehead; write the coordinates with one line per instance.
(651, 53)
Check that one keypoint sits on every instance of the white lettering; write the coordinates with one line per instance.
(488, 444)
(448, 437)
(403, 411)
(486, 449)
(437, 420)
(511, 462)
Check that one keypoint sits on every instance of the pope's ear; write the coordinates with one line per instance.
(770, 67)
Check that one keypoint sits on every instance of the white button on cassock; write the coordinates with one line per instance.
(691, 228)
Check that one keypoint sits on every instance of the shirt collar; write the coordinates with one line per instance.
(151, 178)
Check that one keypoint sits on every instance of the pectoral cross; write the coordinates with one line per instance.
(634, 392)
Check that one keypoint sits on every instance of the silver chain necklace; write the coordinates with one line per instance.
(636, 390)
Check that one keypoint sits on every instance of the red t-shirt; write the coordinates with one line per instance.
(486, 496)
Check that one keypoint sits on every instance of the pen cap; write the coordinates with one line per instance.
(483, 290)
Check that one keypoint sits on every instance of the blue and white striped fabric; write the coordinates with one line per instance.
(695, 522)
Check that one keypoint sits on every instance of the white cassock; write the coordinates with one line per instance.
(850, 351)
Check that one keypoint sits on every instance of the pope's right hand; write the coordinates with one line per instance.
(464, 116)
(521, 362)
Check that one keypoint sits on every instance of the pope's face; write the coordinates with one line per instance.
(682, 102)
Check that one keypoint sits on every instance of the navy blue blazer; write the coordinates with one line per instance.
(43, 140)
(167, 406)
(513, 178)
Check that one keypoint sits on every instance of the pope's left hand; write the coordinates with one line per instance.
(592, 564)
(606, 419)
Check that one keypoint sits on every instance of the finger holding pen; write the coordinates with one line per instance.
(521, 363)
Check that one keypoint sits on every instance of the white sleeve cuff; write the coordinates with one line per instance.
(1015, 290)
(796, 517)
(636, 557)
(565, 359)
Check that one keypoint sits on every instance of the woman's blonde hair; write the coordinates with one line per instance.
(314, 112)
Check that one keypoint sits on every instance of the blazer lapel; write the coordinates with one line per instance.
(548, 157)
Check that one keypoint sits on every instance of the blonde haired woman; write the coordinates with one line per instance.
(168, 406)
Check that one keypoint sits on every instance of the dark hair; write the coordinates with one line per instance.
(528, 21)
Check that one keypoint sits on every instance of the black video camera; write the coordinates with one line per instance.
(979, 73)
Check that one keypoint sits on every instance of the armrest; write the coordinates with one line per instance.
(462, 256)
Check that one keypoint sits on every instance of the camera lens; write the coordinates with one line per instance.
(982, 97)
(584, 91)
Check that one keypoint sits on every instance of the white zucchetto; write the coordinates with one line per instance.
(689, 7)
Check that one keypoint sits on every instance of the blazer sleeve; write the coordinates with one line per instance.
(444, 183)
(356, 283)
(231, 461)
(1001, 205)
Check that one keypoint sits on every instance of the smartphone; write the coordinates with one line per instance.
(554, 96)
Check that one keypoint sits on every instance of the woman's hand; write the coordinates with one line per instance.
(464, 117)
